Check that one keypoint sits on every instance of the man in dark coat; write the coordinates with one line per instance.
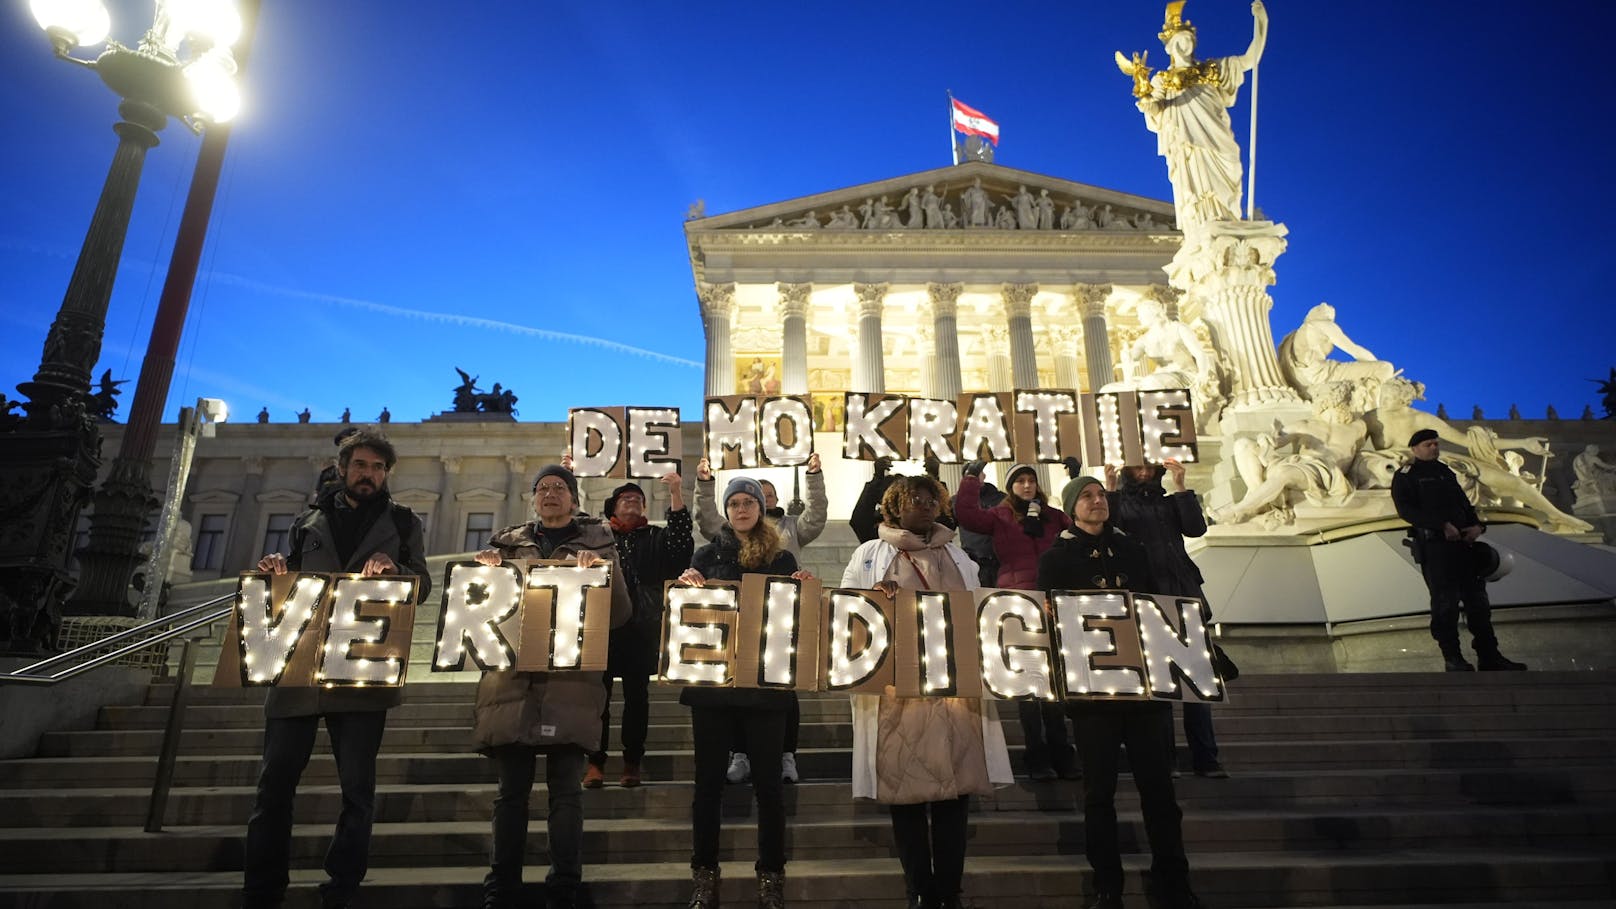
(1093, 555)
(354, 526)
(649, 555)
(1445, 529)
(1142, 509)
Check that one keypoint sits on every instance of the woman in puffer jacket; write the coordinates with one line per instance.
(521, 715)
(924, 757)
(746, 544)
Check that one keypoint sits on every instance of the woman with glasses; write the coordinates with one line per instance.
(745, 544)
(923, 757)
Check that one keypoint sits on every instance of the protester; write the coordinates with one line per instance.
(353, 526)
(923, 756)
(649, 555)
(1142, 509)
(1446, 532)
(1022, 528)
(866, 515)
(1093, 555)
(521, 715)
(795, 533)
(746, 544)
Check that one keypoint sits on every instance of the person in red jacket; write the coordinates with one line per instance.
(1023, 527)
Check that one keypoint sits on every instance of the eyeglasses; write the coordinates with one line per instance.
(551, 489)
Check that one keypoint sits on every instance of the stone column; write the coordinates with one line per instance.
(1018, 320)
(1063, 341)
(242, 552)
(996, 347)
(945, 334)
(1091, 299)
(794, 322)
(517, 485)
(1168, 296)
(926, 350)
(869, 367)
(717, 305)
(1229, 266)
(448, 533)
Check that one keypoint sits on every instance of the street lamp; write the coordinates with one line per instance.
(194, 422)
(182, 67)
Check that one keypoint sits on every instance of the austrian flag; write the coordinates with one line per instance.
(971, 121)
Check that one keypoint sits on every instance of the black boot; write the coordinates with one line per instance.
(1104, 899)
(1497, 662)
(704, 888)
(771, 890)
(1453, 660)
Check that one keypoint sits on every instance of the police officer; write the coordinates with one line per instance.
(1445, 530)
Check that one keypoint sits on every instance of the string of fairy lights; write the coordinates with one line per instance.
(765, 632)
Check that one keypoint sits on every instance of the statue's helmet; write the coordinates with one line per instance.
(1174, 23)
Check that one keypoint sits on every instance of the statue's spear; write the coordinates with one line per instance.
(1251, 171)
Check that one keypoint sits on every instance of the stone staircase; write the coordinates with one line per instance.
(1348, 790)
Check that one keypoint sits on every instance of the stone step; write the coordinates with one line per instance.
(673, 732)
(1321, 792)
(1424, 692)
(218, 848)
(1513, 877)
(818, 763)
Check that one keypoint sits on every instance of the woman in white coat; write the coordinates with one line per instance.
(925, 756)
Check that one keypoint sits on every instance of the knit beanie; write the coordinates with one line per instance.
(1424, 435)
(611, 500)
(1010, 478)
(556, 470)
(745, 485)
(1072, 490)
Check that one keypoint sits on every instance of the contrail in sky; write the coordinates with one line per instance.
(452, 319)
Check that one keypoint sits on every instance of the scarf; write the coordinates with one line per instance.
(628, 525)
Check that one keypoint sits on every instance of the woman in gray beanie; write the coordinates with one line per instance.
(746, 544)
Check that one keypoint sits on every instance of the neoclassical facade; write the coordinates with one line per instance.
(969, 277)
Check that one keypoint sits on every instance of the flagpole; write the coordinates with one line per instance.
(953, 148)
(1251, 173)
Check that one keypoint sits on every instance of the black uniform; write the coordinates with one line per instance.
(1114, 560)
(1427, 496)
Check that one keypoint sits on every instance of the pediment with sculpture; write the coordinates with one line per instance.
(971, 196)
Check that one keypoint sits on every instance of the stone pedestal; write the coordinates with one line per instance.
(1228, 266)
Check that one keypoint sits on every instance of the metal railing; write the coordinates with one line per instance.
(192, 623)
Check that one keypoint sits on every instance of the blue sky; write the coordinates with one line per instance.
(413, 187)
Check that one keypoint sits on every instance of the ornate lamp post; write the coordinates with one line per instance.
(182, 67)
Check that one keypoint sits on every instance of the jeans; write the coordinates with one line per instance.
(288, 743)
(764, 737)
(930, 838)
(1145, 730)
(563, 772)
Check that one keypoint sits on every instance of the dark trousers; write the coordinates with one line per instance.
(1198, 732)
(763, 733)
(563, 770)
(793, 721)
(636, 719)
(1043, 731)
(1145, 730)
(930, 838)
(288, 743)
(1451, 579)
(631, 656)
